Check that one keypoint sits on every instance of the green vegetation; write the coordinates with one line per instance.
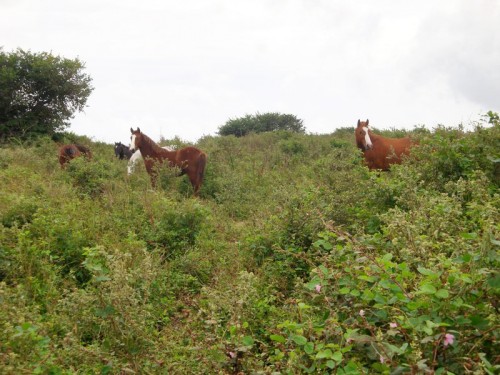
(295, 259)
(260, 123)
(39, 93)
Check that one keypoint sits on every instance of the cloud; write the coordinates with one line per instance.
(185, 68)
(460, 46)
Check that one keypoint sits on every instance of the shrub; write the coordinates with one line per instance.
(174, 226)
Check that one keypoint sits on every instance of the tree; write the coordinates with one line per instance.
(261, 123)
(39, 93)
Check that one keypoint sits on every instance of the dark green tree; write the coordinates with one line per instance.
(259, 123)
(39, 93)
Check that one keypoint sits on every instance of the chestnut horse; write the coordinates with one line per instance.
(380, 152)
(136, 156)
(189, 160)
(68, 152)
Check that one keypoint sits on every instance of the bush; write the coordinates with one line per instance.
(174, 226)
(295, 259)
(89, 178)
(259, 123)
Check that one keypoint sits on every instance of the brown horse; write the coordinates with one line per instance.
(380, 152)
(189, 160)
(68, 152)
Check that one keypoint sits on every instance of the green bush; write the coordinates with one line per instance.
(295, 258)
(20, 214)
(174, 226)
(88, 178)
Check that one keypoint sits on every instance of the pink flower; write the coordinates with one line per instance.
(232, 354)
(362, 312)
(448, 339)
(393, 325)
(318, 288)
(382, 360)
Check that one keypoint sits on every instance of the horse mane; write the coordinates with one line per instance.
(157, 149)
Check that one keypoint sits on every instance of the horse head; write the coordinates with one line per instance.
(135, 139)
(118, 150)
(362, 134)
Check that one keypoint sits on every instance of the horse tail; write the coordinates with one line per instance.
(201, 164)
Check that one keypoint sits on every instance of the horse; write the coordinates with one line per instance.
(189, 160)
(136, 156)
(71, 151)
(380, 152)
(122, 151)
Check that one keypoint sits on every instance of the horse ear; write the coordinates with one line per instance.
(367, 121)
(139, 130)
(131, 130)
(359, 122)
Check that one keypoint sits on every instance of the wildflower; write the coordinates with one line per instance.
(318, 288)
(362, 312)
(393, 325)
(382, 360)
(448, 339)
(232, 354)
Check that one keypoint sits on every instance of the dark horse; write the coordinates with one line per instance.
(189, 160)
(122, 151)
(380, 152)
(68, 152)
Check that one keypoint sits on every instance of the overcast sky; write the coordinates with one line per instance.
(184, 67)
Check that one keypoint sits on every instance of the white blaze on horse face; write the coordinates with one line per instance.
(132, 143)
(368, 141)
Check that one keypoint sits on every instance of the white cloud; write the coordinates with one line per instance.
(184, 68)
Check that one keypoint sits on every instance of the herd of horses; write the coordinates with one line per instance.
(379, 153)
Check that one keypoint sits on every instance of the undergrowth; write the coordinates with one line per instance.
(294, 259)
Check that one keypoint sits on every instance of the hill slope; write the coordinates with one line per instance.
(295, 259)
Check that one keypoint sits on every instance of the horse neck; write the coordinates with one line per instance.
(375, 138)
(149, 148)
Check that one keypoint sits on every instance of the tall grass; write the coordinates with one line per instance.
(295, 259)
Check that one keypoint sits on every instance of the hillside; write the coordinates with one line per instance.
(294, 259)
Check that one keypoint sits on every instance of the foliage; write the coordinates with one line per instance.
(295, 259)
(265, 122)
(39, 93)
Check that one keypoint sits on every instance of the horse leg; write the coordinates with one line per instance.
(153, 178)
(63, 160)
(199, 172)
(192, 178)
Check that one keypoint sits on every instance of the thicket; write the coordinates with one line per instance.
(260, 123)
(295, 259)
(39, 93)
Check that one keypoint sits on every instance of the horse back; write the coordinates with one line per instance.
(401, 145)
(387, 151)
(84, 150)
(189, 155)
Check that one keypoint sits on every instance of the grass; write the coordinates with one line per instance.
(267, 272)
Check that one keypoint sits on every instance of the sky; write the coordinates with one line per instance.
(184, 68)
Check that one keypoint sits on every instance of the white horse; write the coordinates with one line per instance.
(138, 156)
